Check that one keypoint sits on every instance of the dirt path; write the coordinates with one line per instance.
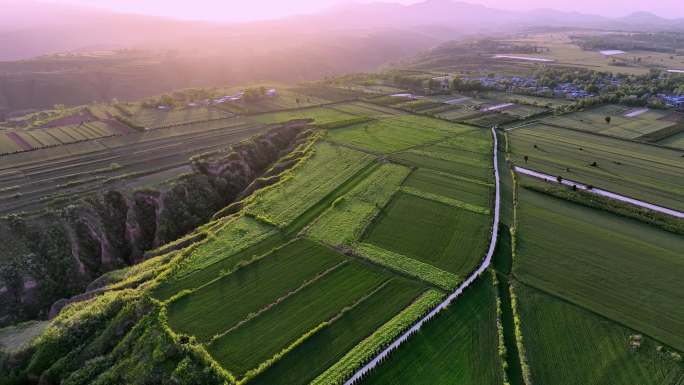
(597, 191)
(454, 295)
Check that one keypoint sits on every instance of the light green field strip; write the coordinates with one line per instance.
(408, 266)
(233, 237)
(349, 215)
(445, 200)
(369, 347)
(304, 186)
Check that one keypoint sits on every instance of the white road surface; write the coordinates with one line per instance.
(604, 193)
(480, 270)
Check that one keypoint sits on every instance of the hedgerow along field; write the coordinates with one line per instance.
(625, 270)
(566, 344)
(640, 171)
(459, 346)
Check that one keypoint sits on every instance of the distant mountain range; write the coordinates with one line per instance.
(29, 28)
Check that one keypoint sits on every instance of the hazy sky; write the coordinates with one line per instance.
(242, 10)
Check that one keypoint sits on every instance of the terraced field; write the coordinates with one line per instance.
(640, 171)
(29, 181)
(624, 270)
(14, 141)
(154, 118)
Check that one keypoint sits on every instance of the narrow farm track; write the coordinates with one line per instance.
(358, 376)
(604, 193)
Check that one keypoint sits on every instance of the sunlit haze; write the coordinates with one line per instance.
(232, 10)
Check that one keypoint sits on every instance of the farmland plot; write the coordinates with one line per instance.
(636, 170)
(566, 344)
(625, 270)
(230, 299)
(395, 134)
(450, 186)
(329, 166)
(260, 338)
(676, 141)
(623, 124)
(456, 163)
(465, 155)
(447, 237)
(154, 118)
(330, 344)
(7, 145)
(320, 115)
(457, 347)
(367, 109)
(249, 249)
(346, 219)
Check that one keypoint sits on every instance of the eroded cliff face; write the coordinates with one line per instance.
(56, 255)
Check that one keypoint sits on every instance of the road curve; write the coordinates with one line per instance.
(598, 191)
(455, 294)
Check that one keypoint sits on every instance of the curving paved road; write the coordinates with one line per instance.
(598, 191)
(481, 269)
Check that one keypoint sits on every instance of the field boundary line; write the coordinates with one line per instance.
(598, 191)
(358, 375)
